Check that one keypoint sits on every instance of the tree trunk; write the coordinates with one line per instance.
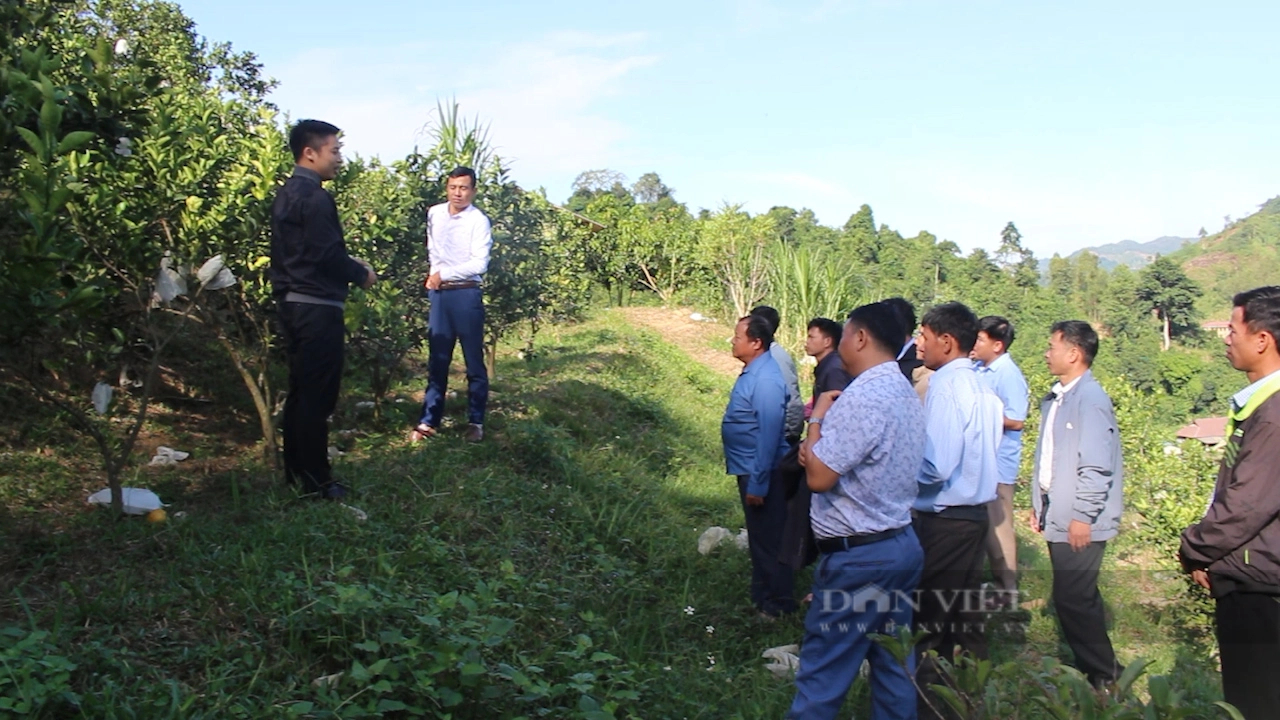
(259, 394)
(491, 358)
(1167, 339)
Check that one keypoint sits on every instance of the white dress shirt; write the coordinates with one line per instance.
(458, 245)
(1046, 446)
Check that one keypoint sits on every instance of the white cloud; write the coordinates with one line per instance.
(539, 98)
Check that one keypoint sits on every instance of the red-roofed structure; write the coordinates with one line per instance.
(1210, 431)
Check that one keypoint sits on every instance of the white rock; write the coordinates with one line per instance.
(364, 405)
(711, 538)
(741, 540)
(359, 514)
(335, 452)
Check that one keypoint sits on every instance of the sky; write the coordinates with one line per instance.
(1084, 123)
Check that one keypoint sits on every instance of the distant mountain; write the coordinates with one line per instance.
(1129, 252)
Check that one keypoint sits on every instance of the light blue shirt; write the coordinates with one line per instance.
(1006, 381)
(873, 436)
(963, 427)
(1241, 398)
(752, 426)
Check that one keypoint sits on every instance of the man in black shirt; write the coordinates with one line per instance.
(310, 273)
(823, 339)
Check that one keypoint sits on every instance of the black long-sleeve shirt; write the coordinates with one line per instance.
(829, 375)
(308, 253)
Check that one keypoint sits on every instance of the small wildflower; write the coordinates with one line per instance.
(711, 630)
(122, 47)
(688, 610)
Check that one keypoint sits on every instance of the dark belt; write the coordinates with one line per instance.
(834, 545)
(458, 285)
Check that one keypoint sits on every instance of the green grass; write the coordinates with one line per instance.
(542, 573)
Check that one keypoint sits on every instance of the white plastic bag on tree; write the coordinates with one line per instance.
(101, 398)
(214, 274)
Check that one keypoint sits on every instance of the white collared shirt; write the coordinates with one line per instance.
(458, 245)
(1046, 447)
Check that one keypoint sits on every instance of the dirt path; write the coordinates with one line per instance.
(699, 339)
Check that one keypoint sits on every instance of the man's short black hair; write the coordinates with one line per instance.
(954, 319)
(827, 327)
(309, 134)
(1080, 334)
(997, 328)
(758, 328)
(769, 314)
(882, 321)
(463, 171)
(1261, 309)
(906, 313)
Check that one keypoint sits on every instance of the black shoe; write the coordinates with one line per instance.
(334, 491)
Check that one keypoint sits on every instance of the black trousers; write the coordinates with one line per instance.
(950, 595)
(1080, 611)
(951, 583)
(1249, 637)
(772, 581)
(313, 336)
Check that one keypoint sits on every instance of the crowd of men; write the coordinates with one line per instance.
(902, 487)
(899, 474)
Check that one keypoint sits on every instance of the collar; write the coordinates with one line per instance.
(752, 366)
(308, 173)
(884, 368)
(960, 363)
(1003, 359)
(461, 212)
(903, 352)
(1240, 399)
(1059, 389)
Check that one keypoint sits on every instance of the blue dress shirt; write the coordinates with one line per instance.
(1006, 381)
(963, 427)
(752, 428)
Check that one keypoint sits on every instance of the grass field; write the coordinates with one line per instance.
(550, 571)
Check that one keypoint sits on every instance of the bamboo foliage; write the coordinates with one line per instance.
(807, 282)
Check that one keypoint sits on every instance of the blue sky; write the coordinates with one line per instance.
(1083, 122)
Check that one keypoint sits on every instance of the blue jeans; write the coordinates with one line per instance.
(456, 316)
(856, 592)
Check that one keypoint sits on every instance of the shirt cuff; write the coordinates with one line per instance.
(758, 484)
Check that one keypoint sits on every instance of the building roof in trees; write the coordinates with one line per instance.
(1209, 431)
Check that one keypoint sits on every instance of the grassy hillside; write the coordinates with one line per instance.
(1244, 255)
(549, 572)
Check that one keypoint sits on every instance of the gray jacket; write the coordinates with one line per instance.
(1088, 471)
(795, 406)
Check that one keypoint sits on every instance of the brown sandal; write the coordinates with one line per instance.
(422, 432)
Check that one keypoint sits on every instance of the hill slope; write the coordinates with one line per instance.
(1244, 255)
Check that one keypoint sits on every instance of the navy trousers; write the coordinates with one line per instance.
(772, 581)
(856, 592)
(456, 316)
(313, 336)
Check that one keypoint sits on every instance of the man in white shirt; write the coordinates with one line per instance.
(458, 243)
